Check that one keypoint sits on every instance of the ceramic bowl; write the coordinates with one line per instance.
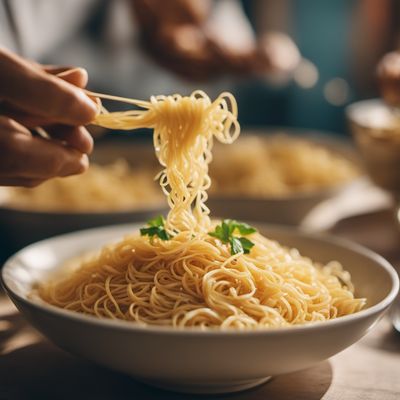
(192, 360)
(289, 209)
(376, 130)
(20, 226)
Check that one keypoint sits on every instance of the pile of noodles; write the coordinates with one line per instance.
(281, 165)
(192, 279)
(112, 187)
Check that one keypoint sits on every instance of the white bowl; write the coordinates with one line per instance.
(292, 208)
(376, 131)
(194, 360)
(21, 227)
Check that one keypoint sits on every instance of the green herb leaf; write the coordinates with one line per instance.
(155, 228)
(157, 221)
(217, 233)
(225, 232)
(163, 234)
(246, 244)
(236, 245)
(242, 227)
(245, 229)
(149, 231)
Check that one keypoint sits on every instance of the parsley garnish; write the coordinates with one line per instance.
(156, 227)
(225, 233)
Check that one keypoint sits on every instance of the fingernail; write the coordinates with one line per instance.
(76, 165)
(88, 101)
(90, 142)
(84, 163)
(72, 71)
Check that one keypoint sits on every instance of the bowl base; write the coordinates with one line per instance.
(211, 387)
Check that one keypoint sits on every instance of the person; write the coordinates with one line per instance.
(189, 41)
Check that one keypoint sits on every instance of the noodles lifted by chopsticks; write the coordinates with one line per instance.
(187, 271)
(184, 128)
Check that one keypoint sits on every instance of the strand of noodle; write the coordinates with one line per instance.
(192, 279)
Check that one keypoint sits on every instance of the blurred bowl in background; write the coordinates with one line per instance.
(21, 226)
(292, 207)
(376, 130)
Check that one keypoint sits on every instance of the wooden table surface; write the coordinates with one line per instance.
(32, 368)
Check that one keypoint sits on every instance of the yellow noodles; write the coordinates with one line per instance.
(184, 128)
(193, 279)
(196, 282)
(112, 187)
(258, 166)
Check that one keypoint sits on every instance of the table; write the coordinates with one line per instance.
(32, 368)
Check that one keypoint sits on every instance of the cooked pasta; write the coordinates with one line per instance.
(281, 165)
(111, 187)
(184, 129)
(189, 271)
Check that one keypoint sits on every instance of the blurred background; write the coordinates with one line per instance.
(289, 63)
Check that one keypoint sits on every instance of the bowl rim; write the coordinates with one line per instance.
(321, 137)
(320, 194)
(351, 109)
(122, 325)
(144, 209)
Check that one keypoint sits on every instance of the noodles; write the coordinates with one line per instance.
(112, 187)
(178, 273)
(277, 166)
(196, 282)
(184, 128)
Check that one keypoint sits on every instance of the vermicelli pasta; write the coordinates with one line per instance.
(103, 188)
(277, 166)
(188, 271)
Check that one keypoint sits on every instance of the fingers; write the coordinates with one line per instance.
(39, 93)
(74, 136)
(24, 118)
(34, 159)
(75, 76)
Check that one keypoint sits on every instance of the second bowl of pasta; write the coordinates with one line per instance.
(119, 187)
(279, 175)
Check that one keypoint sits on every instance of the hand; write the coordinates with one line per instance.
(178, 35)
(34, 96)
